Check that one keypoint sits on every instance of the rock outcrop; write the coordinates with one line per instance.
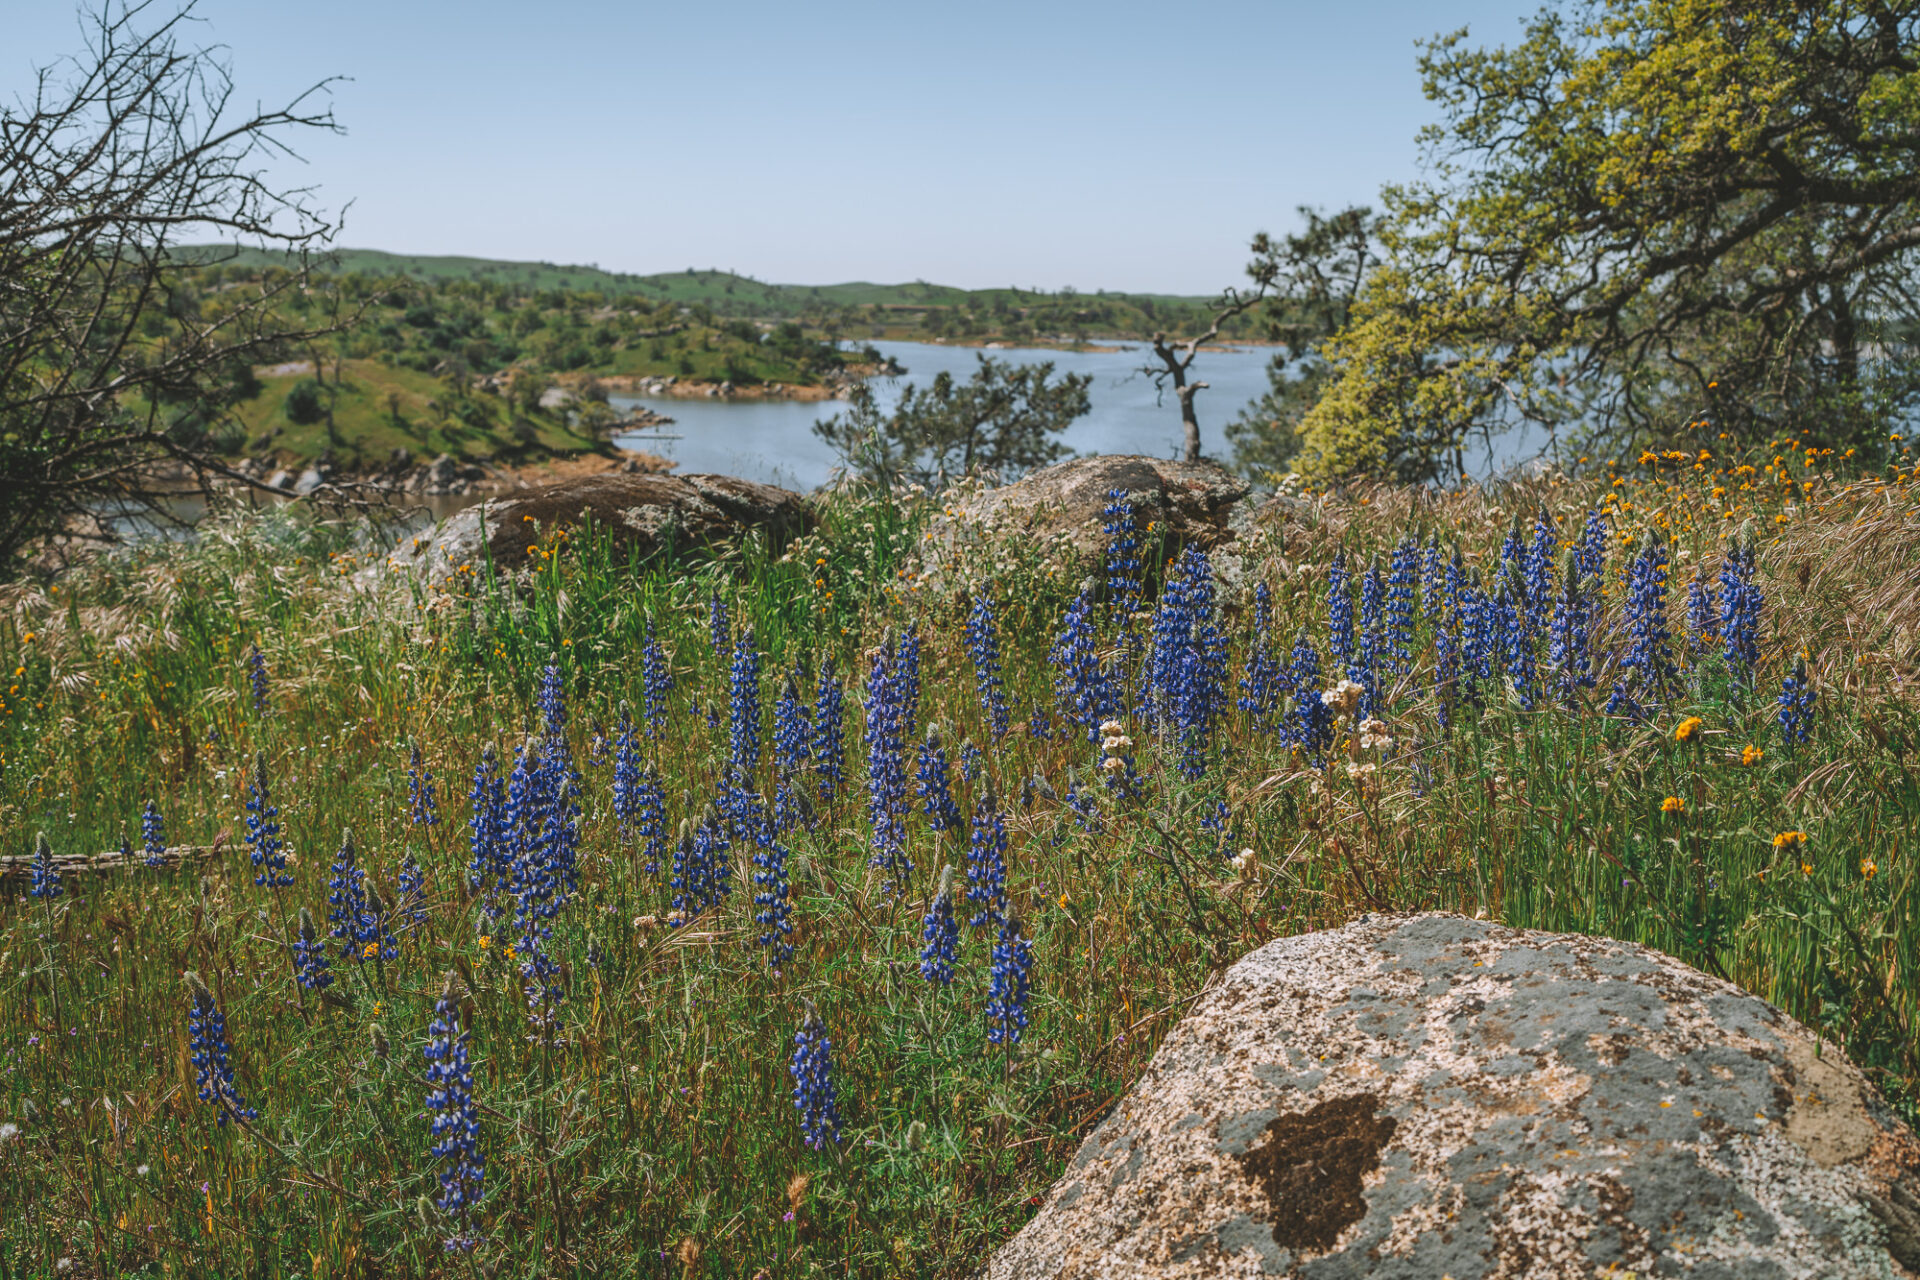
(648, 514)
(1191, 502)
(1431, 1096)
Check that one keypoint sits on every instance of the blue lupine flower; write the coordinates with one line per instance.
(311, 967)
(718, 628)
(1340, 613)
(257, 678)
(1479, 637)
(702, 874)
(1517, 647)
(1371, 671)
(1219, 820)
(540, 984)
(790, 731)
(1796, 704)
(940, 934)
(813, 1092)
(1039, 726)
(987, 864)
(650, 821)
(790, 750)
(829, 745)
(773, 901)
(1010, 985)
(1433, 582)
(456, 1121)
(1539, 569)
(346, 897)
(936, 795)
(1309, 727)
(543, 814)
(153, 835)
(1400, 604)
(983, 644)
(1188, 666)
(422, 804)
(1591, 552)
(1123, 553)
(263, 831)
(492, 858)
(376, 929)
(906, 670)
(1570, 636)
(44, 875)
(626, 773)
(1084, 805)
(552, 700)
(1261, 677)
(1741, 600)
(1080, 684)
(886, 732)
(973, 762)
(743, 705)
(412, 885)
(207, 1051)
(1647, 669)
(1701, 631)
(1512, 560)
(656, 682)
(1446, 671)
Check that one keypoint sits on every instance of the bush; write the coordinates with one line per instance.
(304, 405)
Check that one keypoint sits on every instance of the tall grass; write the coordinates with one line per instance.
(654, 1133)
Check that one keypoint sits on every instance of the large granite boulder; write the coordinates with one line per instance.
(647, 513)
(1192, 502)
(1430, 1096)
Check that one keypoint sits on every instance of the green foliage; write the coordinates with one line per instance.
(1317, 273)
(303, 404)
(1646, 220)
(661, 1112)
(999, 422)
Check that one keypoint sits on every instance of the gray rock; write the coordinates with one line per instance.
(1186, 502)
(1432, 1096)
(647, 514)
(309, 480)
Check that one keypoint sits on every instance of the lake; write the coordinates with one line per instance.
(772, 440)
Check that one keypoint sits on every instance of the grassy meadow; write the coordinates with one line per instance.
(631, 1058)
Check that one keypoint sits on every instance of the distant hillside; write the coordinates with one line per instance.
(915, 310)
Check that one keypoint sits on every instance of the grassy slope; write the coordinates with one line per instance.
(661, 1122)
(368, 427)
(725, 291)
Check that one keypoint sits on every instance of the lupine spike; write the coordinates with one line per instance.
(940, 934)
(44, 876)
(422, 803)
(268, 855)
(455, 1126)
(153, 835)
(936, 796)
(987, 864)
(656, 682)
(813, 1089)
(311, 966)
(886, 763)
(1010, 983)
(208, 1051)
(743, 705)
(257, 679)
(983, 645)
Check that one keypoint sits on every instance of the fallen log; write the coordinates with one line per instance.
(19, 867)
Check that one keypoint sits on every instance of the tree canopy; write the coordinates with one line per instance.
(1002, 421)
(1649, 217)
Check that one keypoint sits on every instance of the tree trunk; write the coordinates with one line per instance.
(1189, 422)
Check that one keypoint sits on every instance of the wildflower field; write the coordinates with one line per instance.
(799, 909)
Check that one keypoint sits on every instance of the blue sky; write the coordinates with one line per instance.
(1099, 145)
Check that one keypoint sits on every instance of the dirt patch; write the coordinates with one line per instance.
(1312, 1167)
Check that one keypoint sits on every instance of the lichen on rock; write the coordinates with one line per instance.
(1431, 1096)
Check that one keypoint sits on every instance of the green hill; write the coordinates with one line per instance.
(914, 310)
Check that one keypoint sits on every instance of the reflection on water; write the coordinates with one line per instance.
(772, 440)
